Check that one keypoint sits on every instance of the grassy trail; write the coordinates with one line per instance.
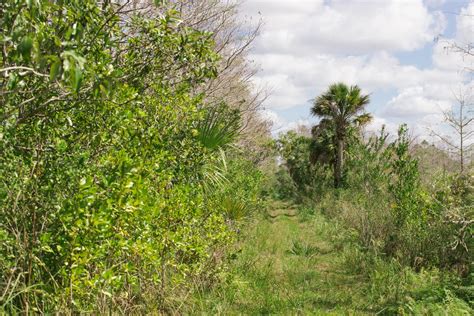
(290, 263)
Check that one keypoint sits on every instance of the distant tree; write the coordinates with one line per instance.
(234, 36)
(460, 120)
(341, 109)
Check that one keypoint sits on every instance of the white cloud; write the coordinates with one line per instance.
(378, 122)
(307, 45)
(281, 125)
(416, 102)
(271, 117)
(465, 24)
(434, 3)
(445, 55)
(294, 80)
(294, 125)
(338, 26)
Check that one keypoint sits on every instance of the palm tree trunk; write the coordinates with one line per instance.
(338, 167)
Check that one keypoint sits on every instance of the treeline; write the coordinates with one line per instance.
(122, 175)
(374, 186)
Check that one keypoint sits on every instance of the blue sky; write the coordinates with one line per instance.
(387, 47)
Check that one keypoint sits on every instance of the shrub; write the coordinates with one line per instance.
(388, 205)
(106, 156)
(308, 181)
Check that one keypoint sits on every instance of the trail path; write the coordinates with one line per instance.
(290, 263)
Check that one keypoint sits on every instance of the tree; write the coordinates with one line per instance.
(459, 119)
(341, 109)
(234, 36)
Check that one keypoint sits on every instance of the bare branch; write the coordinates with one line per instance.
(27, 69)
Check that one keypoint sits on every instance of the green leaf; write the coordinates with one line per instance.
(219, 128)
(61, 145)
(12, 81)
(24, 48)
(78, 60)
(76, 78)
(55, 69)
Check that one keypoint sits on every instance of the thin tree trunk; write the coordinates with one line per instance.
(461, 135)
(338, 167)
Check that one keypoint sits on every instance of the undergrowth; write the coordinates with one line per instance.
(317, 266)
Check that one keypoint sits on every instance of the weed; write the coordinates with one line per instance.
(299, 248)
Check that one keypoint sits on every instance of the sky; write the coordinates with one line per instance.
(395, 50)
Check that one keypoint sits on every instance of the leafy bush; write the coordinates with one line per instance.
(240, 194)
(107, 157)
(393, 212)
(298, 178)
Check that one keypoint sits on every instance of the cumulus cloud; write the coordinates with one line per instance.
(281, 125)
(308, 44)
(307, 26)
(415, 103)
(465, 24)
(295, 80)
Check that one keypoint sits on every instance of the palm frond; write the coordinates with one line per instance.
(322, 106)
(214, 172)
(340, 102)
(323, 127)
(363, 119)
(234, 208)
(219, 128)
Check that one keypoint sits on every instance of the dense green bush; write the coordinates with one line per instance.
(107, 159)
(240, 195)
(297, 177)
(399, 216)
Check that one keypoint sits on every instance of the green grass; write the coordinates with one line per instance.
(294, 263)
(285, 266)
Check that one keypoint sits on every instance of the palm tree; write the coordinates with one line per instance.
(340, 108)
